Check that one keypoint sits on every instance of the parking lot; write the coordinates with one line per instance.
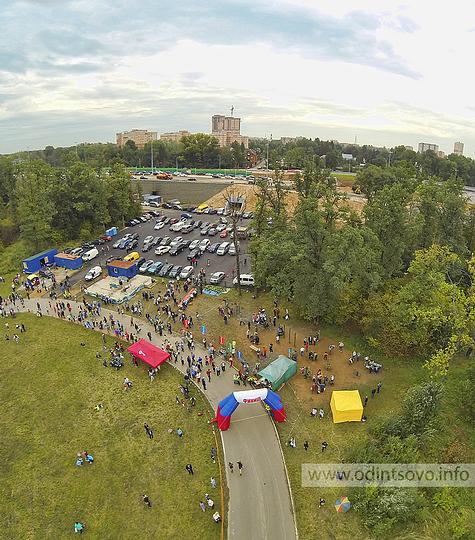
(211, 262)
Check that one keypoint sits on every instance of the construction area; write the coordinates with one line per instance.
(116, 290)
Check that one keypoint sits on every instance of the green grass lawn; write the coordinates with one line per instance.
(50, 386)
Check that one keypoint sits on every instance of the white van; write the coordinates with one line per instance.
(177, 227)
(93, 273)
(223, 248)
(89, 255)
(247, 280)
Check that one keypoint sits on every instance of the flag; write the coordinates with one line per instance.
(221, 340)
(203, 329)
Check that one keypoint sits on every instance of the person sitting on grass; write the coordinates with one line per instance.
(179, 432)
(216, 517)
(79, 527)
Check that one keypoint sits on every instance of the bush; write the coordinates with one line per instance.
(381, 509)
(12, 256)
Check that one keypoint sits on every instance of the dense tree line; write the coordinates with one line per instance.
(197, 150)
(44, 205)
(328, 154)
(401, 270)
(202, 150)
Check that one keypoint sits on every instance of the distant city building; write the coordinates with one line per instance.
(424, 147)
(458, 148)
(139, 136)
(174, 136)
(252, 157)
(227, 129)
(440, 153)
(347, 157)
(287, 140)
(408, 147)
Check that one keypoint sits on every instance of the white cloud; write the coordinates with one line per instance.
(389, 73)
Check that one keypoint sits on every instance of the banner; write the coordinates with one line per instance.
(203, 329)
(221, 340)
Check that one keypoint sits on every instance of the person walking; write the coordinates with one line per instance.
(379, 387)
(305, 445)
(147, 428)
(324, 446)
(202, 506)
(231, 466)
(240, 467)
(365, 401)
(189, 468)
(373, 392)
(213, 482)
(146, 500)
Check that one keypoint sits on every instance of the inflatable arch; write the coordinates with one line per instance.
(229, 404)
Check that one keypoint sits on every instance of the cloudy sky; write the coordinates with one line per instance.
(386, 72)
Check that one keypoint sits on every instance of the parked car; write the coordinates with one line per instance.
(204, 244)
(220, 227)
(147, 239)
(155, 241)
(93, 273)
(223, 248)
(194, 244)
(140, 262)
(212, 232)
(175, 250)
(77, 251)
(232, 249)
(161, 250)
(146, 265)
(155, 268)
(204, 231)
(194, 254)
(223, 234)
(132, 243)
(213, 248)
(134, 256)
(187, 228)
(165, 269)
(159, 225)
(186, 272)
(165, 241)
(246, 280)
(175, 272)
(176, 241)
(186, 215)
(217, 277)
(89, 255)
(106, 238)
(197, 224)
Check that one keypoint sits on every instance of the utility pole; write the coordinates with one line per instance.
(151, 154)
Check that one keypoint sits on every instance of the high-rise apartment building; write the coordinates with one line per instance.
(174, 136)
(227, 129)
(139, 136)
(458, 148)
(424, 147)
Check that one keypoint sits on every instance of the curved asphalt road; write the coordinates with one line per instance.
(260, 505)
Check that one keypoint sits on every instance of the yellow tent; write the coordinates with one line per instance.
(346, 406)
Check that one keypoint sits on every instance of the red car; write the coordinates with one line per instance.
(223, 234)
(173, 221)
(106, 237)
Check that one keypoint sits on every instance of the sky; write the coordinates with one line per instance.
(382, 73)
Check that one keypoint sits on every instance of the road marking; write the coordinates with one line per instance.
(249, 418)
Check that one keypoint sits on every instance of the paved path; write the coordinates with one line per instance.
(259, 502)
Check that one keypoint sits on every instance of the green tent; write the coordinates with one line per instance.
(279, 371)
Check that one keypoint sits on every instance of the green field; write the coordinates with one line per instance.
(50, 387)
(189, 193)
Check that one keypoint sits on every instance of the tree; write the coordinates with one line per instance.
(235, 209)
(424, 314)
(387, 215)
(372, 179)
(34, 205)
(200, 150)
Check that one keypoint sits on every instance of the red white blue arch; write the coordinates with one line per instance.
(229, 404)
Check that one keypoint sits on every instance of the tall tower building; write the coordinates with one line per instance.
(458, 148)
(227, 129)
